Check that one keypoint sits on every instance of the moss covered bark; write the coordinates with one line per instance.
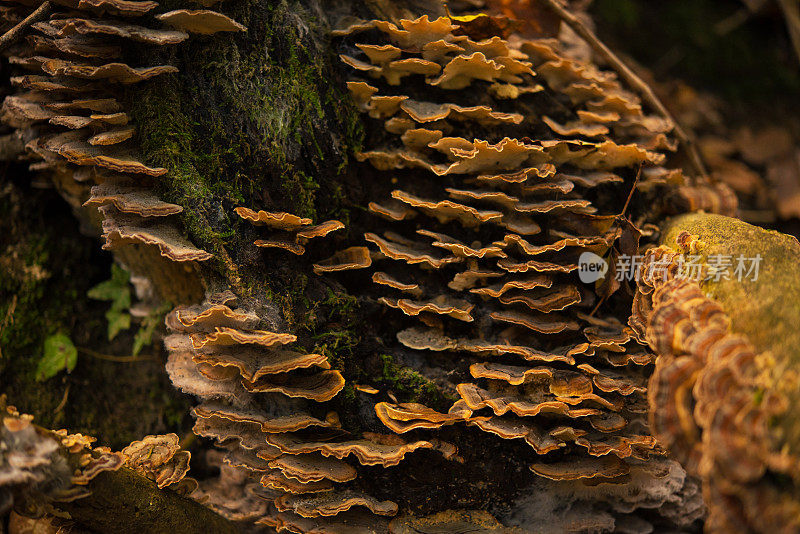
(126, 503)
(262, 119)
(46, 268)
(764, 305)
(256, 118)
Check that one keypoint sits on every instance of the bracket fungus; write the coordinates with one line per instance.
(33, 473)
(287, 224)
(202, 21)
(42, 471)
(723, 393)
(160, 459)
(263, 415)
(74, 123)
(495, 161)
(506, 218)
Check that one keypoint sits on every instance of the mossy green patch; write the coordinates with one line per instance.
(409, 385)
(255, 119)
(47, 266)
(43, 276)
(763, 305)
(262, 119)
(333, 327)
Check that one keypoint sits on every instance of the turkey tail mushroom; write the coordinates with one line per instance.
(520, 211)
(259, 396)
(722, 397)
(74, 122)
(495, 162)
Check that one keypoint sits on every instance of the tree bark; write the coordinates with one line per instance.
(125, 502)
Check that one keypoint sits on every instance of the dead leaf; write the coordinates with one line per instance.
(629, 239)
(784, 176)
(537, 20)
(479, 27)
(764, 145)
(607, 286)
(739, 176)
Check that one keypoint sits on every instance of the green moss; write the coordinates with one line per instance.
(140, 506)
(766, 309)
(302, 188)
(409, 385)
(37, 290)
(333, 324)
(46, 269)
(260, 119)
(348, 394)
(255, 119)
(337, 345)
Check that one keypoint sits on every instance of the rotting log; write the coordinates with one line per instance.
(719, 303)
(125, 502)
(237, 127)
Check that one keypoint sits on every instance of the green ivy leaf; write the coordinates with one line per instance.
(122, 301)
(144, 336)
(118, 291)
(59, 353)
(113, 288)
(117, 322)
(107, 290)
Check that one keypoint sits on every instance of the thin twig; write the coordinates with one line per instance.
(791, 10)
(600, 303)
(632, 79)
(633, 188)
(187, 440)
(733, 22)
(12, 35)
(63, 400)
(112, 358)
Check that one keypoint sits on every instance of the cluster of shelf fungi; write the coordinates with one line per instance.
(489, 205)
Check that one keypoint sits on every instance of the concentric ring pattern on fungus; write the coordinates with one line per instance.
(68, 110)
(721, 393)
(488, 208)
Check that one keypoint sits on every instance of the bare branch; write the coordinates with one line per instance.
(12, 35)
(791, 10)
